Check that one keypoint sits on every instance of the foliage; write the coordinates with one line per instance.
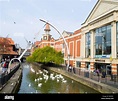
(46, 55)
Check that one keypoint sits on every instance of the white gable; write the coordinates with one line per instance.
(65, 33)
(102, 7)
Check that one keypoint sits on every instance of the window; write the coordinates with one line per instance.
(78, 64)
(103, 41)
(117, 38)
(87, 47)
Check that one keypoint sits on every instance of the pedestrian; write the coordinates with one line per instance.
(111, 77)
(98, 72)
(7, 61)
(70, 68)
(4, 66)
(2, 62)
(103, 73)
(73, 69)
(94, 72)
(67, 66)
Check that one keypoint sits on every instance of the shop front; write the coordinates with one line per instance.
(103, 67)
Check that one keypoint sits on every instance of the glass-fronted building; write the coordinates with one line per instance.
(100, 35)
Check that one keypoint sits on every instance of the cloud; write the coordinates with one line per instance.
(4, 0)
(18, 34)
(86, 0)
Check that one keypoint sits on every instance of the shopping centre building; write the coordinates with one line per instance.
(100, 35)
(95, 44)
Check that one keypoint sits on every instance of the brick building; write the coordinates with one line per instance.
(7, 48)
(95, 44)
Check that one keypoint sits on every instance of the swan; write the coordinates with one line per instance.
(40, 84)
(64, 81)
(29, 84)
(32, 70)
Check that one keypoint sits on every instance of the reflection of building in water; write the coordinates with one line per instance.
(95, 43)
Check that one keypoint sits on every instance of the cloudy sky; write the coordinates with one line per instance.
(19, 19)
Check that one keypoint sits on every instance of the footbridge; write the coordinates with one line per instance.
(29, 45)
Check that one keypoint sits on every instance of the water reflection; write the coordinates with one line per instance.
(38, 80)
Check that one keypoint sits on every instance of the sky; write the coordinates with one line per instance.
(19, 19)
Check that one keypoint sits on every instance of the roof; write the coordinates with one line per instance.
(91, 11)
(66, 33)
(37, 43)
(77, 31)
(100, 9)
(7, 40)
(11, 52)
(8, 44)
(47, 28)
(70, 33)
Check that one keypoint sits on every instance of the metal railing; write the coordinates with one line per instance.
(111, 80)
(4, 77)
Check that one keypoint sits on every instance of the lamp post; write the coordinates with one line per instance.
(62, 37)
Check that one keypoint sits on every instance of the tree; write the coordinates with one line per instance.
(46, 55)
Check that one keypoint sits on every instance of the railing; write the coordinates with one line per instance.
(111, 80)
(4, 77)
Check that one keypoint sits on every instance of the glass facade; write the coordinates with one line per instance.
(103, 41)
(117, 38)
(87, 46)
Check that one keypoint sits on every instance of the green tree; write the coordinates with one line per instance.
(46, 55)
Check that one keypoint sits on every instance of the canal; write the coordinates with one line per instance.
(38, 80)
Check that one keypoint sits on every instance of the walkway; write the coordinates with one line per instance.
(11, 67)
(4, 77)
(104, 85)
(107, 80)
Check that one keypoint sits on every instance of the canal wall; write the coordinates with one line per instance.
(13, 84)
(98, 86)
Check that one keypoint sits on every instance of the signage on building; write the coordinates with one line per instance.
(102, 56)
(97, 60)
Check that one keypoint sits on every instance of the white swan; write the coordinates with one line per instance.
(40, 84)
(32, 70)
(29, 84)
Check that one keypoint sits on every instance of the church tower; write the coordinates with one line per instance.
(47, 35)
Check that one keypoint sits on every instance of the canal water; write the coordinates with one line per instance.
(38, 80)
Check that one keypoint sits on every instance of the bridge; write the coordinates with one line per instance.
(29, 45)
(26, 54)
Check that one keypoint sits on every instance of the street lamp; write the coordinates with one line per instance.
(61, 36)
